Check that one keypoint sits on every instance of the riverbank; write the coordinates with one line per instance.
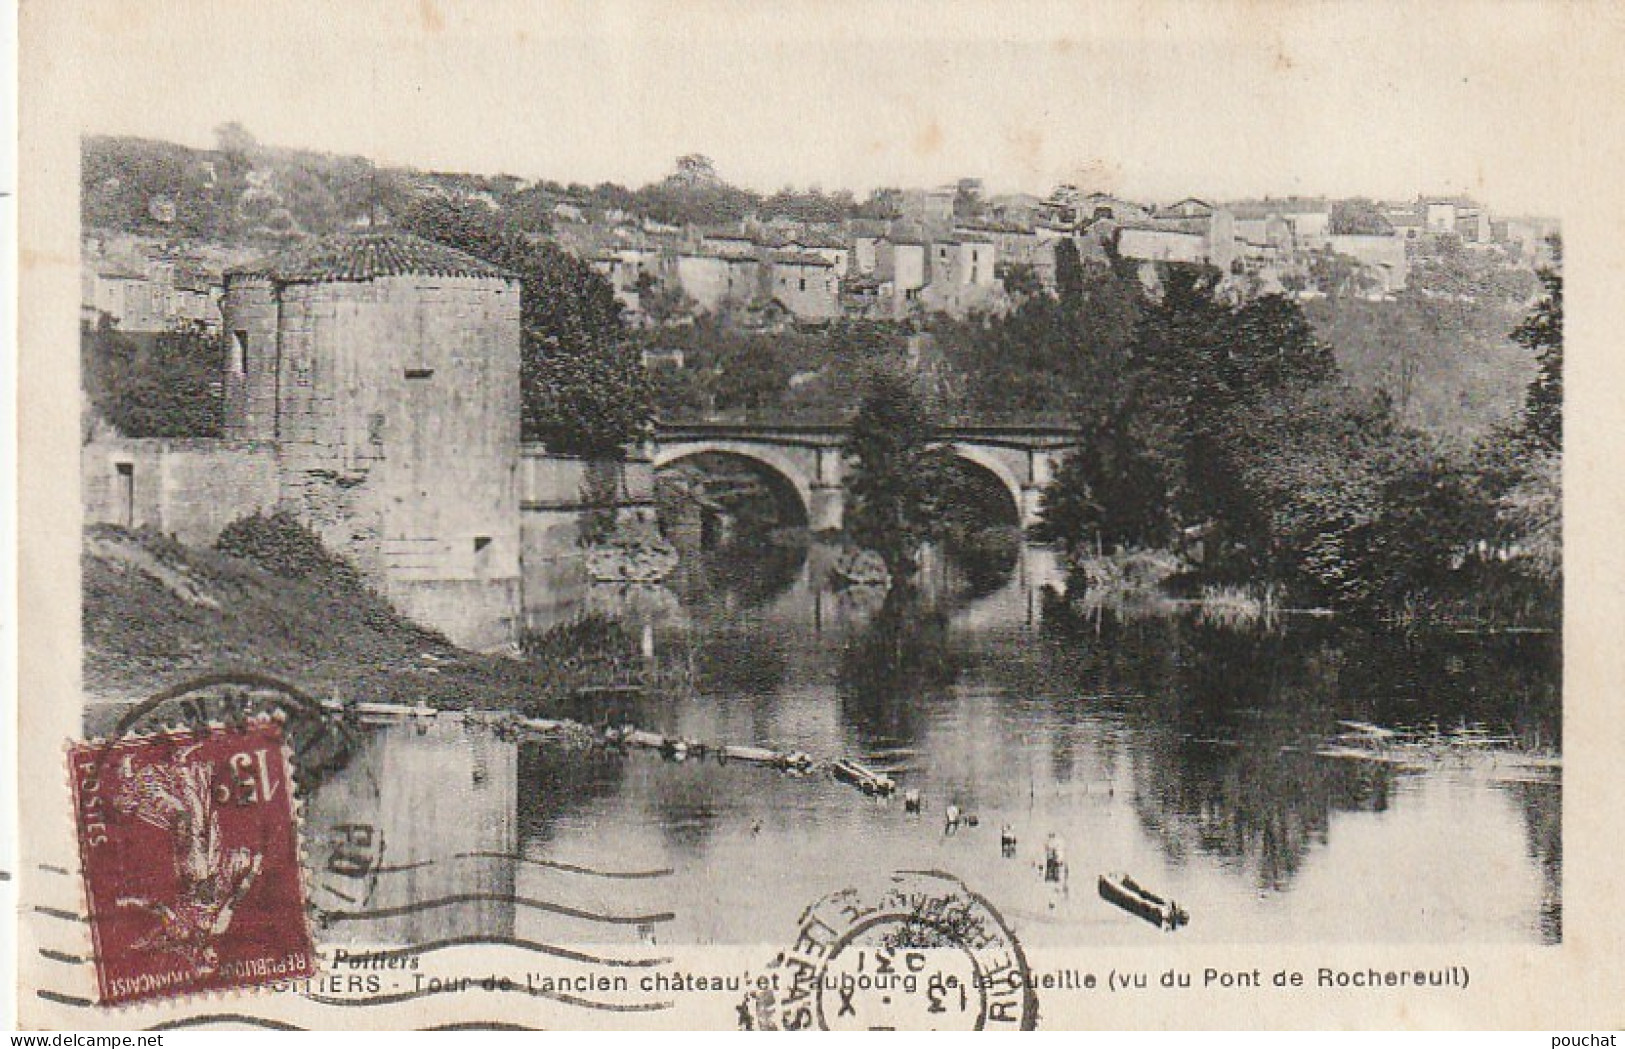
(156, 613)
(1480, 597)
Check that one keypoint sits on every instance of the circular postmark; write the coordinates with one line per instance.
(919, 951)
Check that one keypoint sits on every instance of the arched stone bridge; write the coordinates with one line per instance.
(810, 457)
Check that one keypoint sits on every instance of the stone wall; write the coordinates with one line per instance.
(394, 403)
(561, 499)
(190, 489)
(249, 341)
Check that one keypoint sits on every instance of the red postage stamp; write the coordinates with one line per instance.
(191, 862)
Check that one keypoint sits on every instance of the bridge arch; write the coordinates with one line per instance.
(988, 460)
(796, 476)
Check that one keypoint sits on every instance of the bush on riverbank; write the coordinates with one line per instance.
(595, 651)
(278, 543)
(156, 613)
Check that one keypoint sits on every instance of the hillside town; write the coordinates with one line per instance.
(803, 260)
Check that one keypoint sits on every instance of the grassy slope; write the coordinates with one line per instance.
(156, 613)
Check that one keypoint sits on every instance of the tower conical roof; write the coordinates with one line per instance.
(366, 256)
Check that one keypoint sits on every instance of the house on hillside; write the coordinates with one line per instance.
(806, 284)
(962, 275)
(1014, 209)
(1148, 242)
(143, 293)
(1098, 206)
(1310, 227)
(1191, 231)
(1407, 222)
(930, 207)
(901, 267)
(715, 281)
(828, 247)
(865, 253)
(1015, 245)
(1189, 208)
(1383, 258)
(963, 260)
(729, 245)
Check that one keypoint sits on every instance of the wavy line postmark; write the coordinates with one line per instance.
(919, 951)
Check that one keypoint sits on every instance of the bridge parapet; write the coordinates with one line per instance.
(809, 456)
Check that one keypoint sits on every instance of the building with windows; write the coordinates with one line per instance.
(805, 284)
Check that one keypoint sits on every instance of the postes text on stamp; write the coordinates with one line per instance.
(189, 847)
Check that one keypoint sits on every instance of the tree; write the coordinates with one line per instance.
(1171, 428)
(1359, 216)
(164, 385)
(894, 481)
(1116, 490)
(883, 202)
(694, 194)
(1050, 356)
(1338, 275)
(1069, 274)
(664, 302)
(752, 377)
(695, 169)
(1542, 332)
(591, 402)
(1532, 510)
(1020, 280)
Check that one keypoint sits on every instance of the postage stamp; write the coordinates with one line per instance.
(919, 952)
(189, 847)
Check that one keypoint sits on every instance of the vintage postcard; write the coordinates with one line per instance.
(818, 516)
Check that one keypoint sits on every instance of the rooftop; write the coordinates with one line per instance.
(367, 256)
(800, 258)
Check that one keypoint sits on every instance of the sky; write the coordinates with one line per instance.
(1152, 100)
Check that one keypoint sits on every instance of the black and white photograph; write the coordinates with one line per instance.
(951, 509)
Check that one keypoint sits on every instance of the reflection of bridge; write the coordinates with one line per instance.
(810, 458)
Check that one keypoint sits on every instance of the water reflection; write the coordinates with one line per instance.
(895, 669)
(1197, 757)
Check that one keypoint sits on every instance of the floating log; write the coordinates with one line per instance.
(777, 759)
(1122, 891)
(389, 711)
(865, 779)
(749, 755)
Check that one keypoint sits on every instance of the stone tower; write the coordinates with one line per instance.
(386, 370)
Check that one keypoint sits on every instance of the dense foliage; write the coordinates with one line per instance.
(585, 391)
(894, 485)
(1542, 333)
(1052, 356)
(815, 376)
(281, 545)
(1231, 436)
(244, 189)
(154, 385)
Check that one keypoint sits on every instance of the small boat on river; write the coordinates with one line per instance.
(862, 777)
(1122, 891)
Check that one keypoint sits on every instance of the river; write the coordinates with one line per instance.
(1230, 768)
